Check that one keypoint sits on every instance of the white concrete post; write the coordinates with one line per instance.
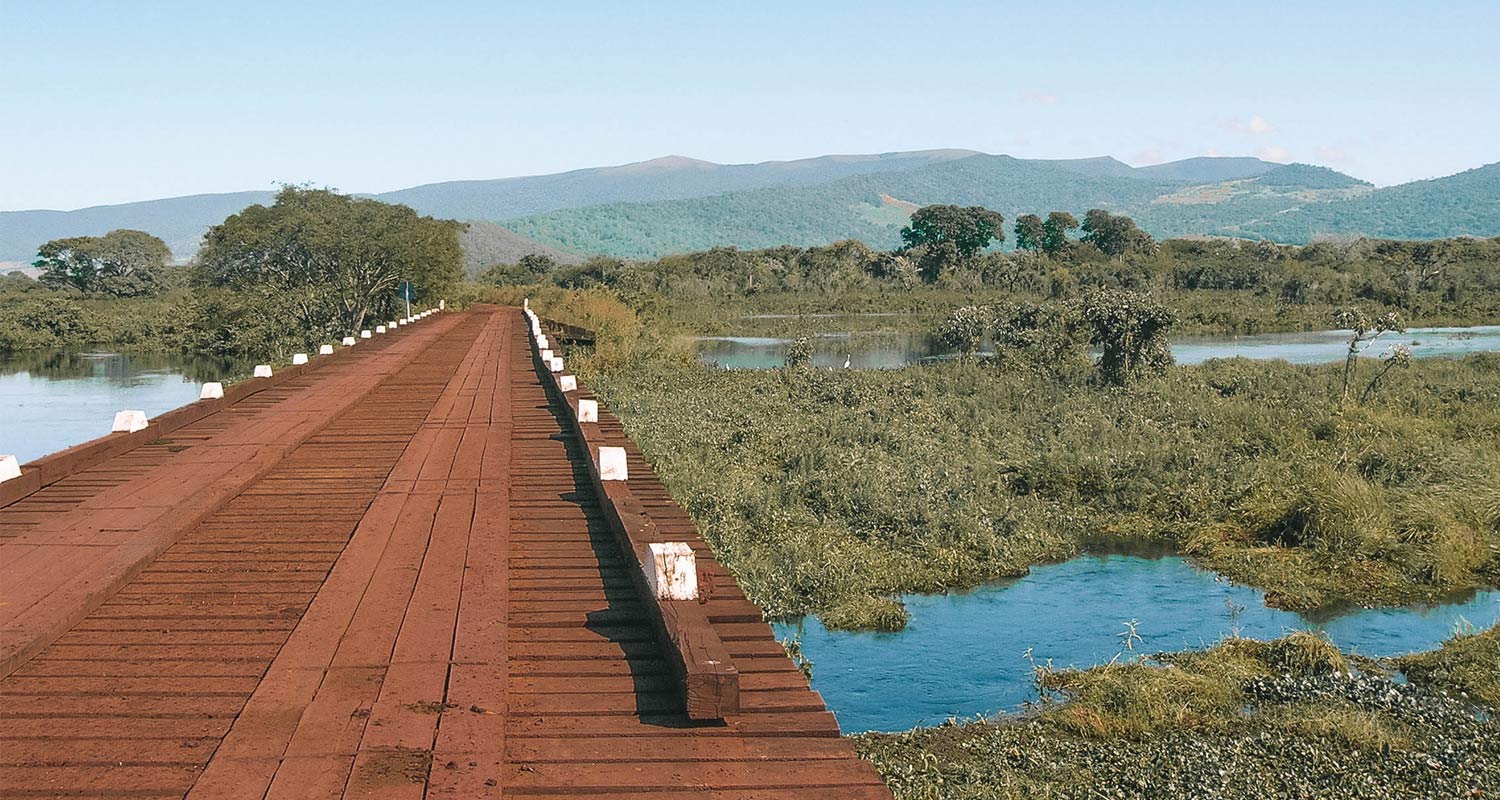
(526, 303)
(442, 304)
(673, 571)
(546, 356)
(557, 364)
(588, 410)
(390, 325)
(380, 329)
(542, 341)
(298, 359)
(211, 391)
(348, 341)
(612, 466)
(325, 350)
(569, 383)
(364, 334)
(128, 422)
(9, 468)
(262, 370)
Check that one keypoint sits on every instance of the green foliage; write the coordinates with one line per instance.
(1055, 231)
(866, 614)
(943, 237)
(1130, 331)
(799, 354)
(1114, 234)
(331, 261)
(1030, 232)
(529, 269)
(121, 263)
(964, 330)
(970, 230)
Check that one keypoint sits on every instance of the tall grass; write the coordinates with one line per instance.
(829, 491)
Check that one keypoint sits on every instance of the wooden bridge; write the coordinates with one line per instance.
(395, 571)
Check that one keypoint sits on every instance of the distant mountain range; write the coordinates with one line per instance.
(676, 204)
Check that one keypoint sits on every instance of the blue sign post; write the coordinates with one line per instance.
(407, 290)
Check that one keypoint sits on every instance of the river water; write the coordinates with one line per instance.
(971, 653)
(888, 351)
(52, 400)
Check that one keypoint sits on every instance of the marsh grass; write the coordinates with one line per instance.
(824, 489)
(1468, 665)
(1186, 725)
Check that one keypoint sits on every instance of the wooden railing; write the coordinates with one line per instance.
(708, 679)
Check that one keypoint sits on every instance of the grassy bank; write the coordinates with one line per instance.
(1245, 719)
(919, 309)
(830, 492)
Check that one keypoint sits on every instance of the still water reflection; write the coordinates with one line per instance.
(886, 351)
(965, 654)
(52, 400)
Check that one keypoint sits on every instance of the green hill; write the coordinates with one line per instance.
(678, 204)
(1466, 204)
(1291, 203)
(486, 244)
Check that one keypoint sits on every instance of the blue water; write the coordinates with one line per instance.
(887, 351)
(52, 400)
(966, 654)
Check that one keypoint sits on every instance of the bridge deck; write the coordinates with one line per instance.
(387, 577)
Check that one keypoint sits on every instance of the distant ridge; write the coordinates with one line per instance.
(675, 203)
(667, 178)
(1208, 169)
(179, 221)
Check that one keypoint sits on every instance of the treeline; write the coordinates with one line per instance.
(1217, 283)
(312, 267)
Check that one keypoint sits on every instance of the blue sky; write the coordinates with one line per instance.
(108, 102)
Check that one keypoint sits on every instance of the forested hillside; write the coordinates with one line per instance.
(676, 204)
(1295, 203)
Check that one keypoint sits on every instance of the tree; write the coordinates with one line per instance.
(334, 259)
(942, 236)
(964, 329)
(1130, 329)
(1055, 231)
(122, 263)
(1115, 234)
(529, 269)
(1030, 232)
(1363, 331)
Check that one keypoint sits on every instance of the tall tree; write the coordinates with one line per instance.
(123, 263)
(334, 259)
(1115, 234)
(1030, 232)
(969, 229)
(1055, 231)
(942, 236)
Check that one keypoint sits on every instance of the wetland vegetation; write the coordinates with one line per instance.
(832, 492)
(1290, 718)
